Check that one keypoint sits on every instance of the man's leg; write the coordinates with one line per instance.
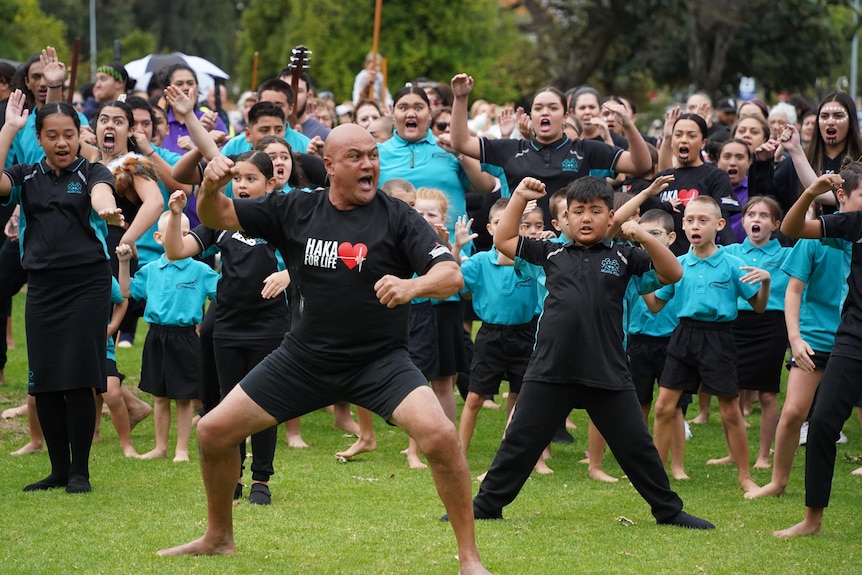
(219, 432)
(423, 419)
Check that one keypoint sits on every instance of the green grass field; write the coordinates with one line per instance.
(376, 516)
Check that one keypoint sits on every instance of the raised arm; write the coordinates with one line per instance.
(795, 225)
(506, 236)
(636, 160)
(184, 107)
(667, 267)
(665, 151)
(462, 140)
(177, 246)
(630, 208)
(124, 254)
(54, 73)
(214, 208)
(16, 118)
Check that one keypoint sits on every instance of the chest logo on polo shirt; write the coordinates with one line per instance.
(720, 285)
(611, 267)
(240, 237)
(74, 188)
(570, 165)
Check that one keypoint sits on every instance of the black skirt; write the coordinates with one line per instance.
(67, 314)
(761, 344)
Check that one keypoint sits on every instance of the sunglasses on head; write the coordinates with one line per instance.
(442, 125)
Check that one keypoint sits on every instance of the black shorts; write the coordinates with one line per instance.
(647, 356)
(502, 352)
(422, 339)
(171, 362)
(450, 338)
(701, 353)
(820, 359)
(112, 371)
(761, 344)
(287, 385)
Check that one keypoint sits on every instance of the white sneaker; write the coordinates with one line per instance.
(687, 431)
(124, 343)
(841, 437)
(803, 433)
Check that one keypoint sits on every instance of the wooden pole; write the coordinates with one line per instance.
(73, 73)
(254, 71)
(375, 43)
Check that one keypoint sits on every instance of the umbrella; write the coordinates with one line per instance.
(144, 68)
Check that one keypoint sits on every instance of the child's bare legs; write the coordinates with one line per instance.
(36, 439)
(467, 425)
(292, 435)
(510, 404)
(746, 400)
(162, 423)
(444, 389)
(663, 426)
(119, 415)
(811, 525)
(185, 412)
(367, 441)
(737, 439)
(413, 460)
(677, 447)
(801, 387)
(138, 408)
(97, 431)
(596, 444)
(768, 424)
(342, 418)
(703, 400)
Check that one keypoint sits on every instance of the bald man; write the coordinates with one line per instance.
(352, 253)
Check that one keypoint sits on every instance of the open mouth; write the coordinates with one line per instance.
(545, 123)
(109, 142)
(366, 183)
(732, 172)
(755, 229)
(411, 124)
(831, 134)
(695, 237)
(279, 173)
(243, 195)
(683, 153)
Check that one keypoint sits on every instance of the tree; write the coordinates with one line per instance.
(25, 29)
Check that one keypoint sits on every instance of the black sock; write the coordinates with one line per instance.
(683, 519)
(51, 408)
(80, 424)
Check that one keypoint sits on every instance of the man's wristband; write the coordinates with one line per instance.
(55, 87)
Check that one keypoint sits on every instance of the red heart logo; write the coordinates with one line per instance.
(686, 196)
(352, 255)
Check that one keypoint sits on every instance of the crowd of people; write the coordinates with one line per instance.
(598, 260)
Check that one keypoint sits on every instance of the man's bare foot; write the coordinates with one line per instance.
(600, 475)
(346, 424)
(541, 468)
(489, 404)
(748, 484)
(762, 463)
(155, 454)
(14, 412)
(361, 445)
(414, 462)
(202, 547)
(295, 440)
(31, 447)
(181, 456)
(856, 471)
(700, 419)
(802, 528)
(727, 460)
(139, 410)
(679, 474)
(769, 490)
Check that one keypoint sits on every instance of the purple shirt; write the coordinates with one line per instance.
(741, 191)
(176, 130)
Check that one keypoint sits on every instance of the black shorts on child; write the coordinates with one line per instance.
(820, 359)
(112, 371)
(761, 344)
(451, 350)
(701, 353)
(422, 339)
(171, 362)
(502, 352)
(647, 355)
(287, 384)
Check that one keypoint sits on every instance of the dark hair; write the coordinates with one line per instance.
(756, 102)
(276, 85)
(20, 80)
(262, 109)
(736, 141)
(497, 206)
(659, 216)
(61, 108)
(444, 94)
(590, 188)
(771, 203)
(556, 92)
(131, 143)
(297, 178)
(258, 159)
(585, 90)
(701, 123)
(411, 89)
(762, 121)
(852, 174)
(169, 71)
(621, 199)
(852, 146)
(117, 69)
(138, 103)
(554, 201)
(439, 112)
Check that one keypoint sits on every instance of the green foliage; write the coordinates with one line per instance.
(25, 29)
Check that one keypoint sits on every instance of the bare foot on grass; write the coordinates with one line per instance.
(856, 471)
(768, 490)
(130, 452)
(570, 425)
(19, 411)
(726, 460)
(798, 530)
(181, 456)
(97, 437)
(295, 440)
(139, 410)
(31, 447)
(481, 478)
(762, 463)
(155, 454)
(361, 445)
(748, 485)
(542, 468)
(413, 462)
(202, 546)
(489, 404)
(600, 475)
(679, 473)
(700, 419)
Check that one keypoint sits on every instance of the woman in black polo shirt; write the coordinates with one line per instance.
(550, 156)
(65, 202)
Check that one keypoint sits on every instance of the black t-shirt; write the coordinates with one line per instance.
(580, 337)
(335, 257)
(58, 227)
(556, 164)
(314, 170)
(242, 313)
(848, 338)
(701, 180)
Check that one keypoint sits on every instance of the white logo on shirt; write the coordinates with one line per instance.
(321, 253)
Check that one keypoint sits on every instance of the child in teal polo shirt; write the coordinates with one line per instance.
(176, 292)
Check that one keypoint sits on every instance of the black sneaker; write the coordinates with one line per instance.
(237, 491)
(259, 494)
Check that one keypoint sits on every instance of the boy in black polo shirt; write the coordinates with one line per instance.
(579, 359)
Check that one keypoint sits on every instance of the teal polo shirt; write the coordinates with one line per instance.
(709, 287)
(824, 271)
(500, 294)
(148, 249)
(769, 257)
(175, 292)
(639, 319)
(426, 165)
(239, 144)
(116, 297)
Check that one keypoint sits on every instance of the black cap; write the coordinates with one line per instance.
(726, 105)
